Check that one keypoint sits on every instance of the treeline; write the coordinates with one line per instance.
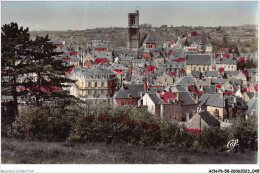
(70, 121)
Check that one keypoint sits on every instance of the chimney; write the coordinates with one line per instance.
(147, 73)
(130, 71)
(177, 96)
(187, 117)
(145, 86)
(199, 121)
(197, 98)
(123, 86)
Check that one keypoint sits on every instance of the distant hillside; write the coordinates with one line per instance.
(243, 36)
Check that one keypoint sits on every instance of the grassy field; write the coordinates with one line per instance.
(16, 151)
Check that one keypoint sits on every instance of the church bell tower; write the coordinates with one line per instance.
(133, 31)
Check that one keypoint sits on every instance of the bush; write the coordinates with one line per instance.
(44, 123)
(246, 132)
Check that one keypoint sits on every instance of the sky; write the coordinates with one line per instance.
(79, 15)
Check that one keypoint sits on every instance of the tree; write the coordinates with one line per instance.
(49, 71)
(13, 38)
(186, 43)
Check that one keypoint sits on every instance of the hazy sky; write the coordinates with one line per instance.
(64, 15)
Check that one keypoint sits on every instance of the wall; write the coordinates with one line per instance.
(191, 67)
(176, 111)
(127, 101)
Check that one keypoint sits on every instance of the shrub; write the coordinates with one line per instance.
(246, 132)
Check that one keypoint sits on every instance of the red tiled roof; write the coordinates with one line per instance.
(229, 93)
(221, 69)
(256, 87)
(101, 48)
(226, 55)
(67, 72)
(244, 90)
(100, 60)
(242, 59)
(42, 88)
(172, 42)
(150, 67)
(217, 55)
(65, 59)
(88, 64)
(118, 71)
(182, 71)
(245, 72)
(218, 85)
(73, 53)
(194, 33)
(173, 73)
(169, 53)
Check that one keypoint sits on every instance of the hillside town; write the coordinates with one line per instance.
(181, 81)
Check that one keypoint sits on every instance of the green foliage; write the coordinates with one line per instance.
(128, 125)
(249, 63)
(186, 43)
(246, 132)
(13, 39)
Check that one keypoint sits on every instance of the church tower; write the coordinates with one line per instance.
(133, 31)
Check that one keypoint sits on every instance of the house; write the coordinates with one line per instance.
(166, 79)
(201, 121)
(211, 74)
(129, 94)
(95, 84)
(199, 62)
(226, 63)
(138, 63)
(177, 105)
(146, 54)
(148, 42)
(153, 103)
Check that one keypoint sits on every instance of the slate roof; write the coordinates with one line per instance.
(209, 119)
(94, 70)
(148, 39)
(130, 89)
(219, 81)
(210, 89)
(234, 73)
(154, 97)
(138, 61)
(181, 89)
(187, 80)
(176, 65)
(186, 99)
(211, 100)
(211, 74)
(250, 94)
(226, 61)
(252, 105)
(74, 59)
(241, 104)
(198, 59)
(195, 74)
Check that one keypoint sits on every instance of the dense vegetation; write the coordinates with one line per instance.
(126, 125)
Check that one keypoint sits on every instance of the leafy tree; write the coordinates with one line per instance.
(13, 39)
(49, 71)
(186, 43)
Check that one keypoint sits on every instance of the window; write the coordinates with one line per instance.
(89, 84)
(208, 68)
(102, 92)
(122, 103)
(95, 84)
(89, 92)
(203, 68)
(194, 68)
(102, 84)
(199, 69)
(165, 80)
